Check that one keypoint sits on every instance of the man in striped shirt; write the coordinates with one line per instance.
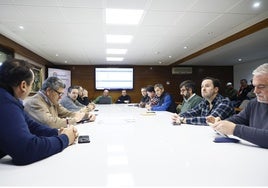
(213, 104)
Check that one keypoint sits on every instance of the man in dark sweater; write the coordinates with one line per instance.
(124, 98)
(23, 139)
(251, 124)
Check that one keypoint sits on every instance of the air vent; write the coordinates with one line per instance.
(182, 70)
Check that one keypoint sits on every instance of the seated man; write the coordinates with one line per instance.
(251, 124)
(145, 98)
(70, 100)
(213, 104)
(230, 92)
(23, 139)
(83, 96)
(190, 99)
(153, 99)
(124, 98)
(44, 106)
(104, 99)
(71, 103)
(242, 92)
(165, 103)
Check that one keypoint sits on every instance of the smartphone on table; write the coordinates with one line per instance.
(83, 139)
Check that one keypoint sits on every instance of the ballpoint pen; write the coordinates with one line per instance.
(67, 122)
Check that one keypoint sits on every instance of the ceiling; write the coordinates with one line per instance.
(75, 30)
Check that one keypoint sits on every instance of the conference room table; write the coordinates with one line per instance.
(130, 147)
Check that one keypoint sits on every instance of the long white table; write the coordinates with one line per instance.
(131, 148)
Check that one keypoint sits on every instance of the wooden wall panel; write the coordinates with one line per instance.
(17, 48)
(150, 75)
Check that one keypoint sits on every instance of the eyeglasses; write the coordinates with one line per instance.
(59, 93)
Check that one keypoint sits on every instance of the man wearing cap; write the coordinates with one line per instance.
(230, 92)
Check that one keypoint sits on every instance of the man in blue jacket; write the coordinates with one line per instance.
(165, 103)
(23, 139)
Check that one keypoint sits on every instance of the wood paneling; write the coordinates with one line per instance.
(147, 75)
(17, 48)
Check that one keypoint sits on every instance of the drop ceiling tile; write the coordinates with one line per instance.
(209, 6)
(161, 18)
(197, 19)
(82, 15)
(171, 5)
(245, 7)
(126, 4)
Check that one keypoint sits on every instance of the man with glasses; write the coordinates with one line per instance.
(44, 106)
(190, 98)
(250, 124)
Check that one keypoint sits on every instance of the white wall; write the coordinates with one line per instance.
(244, 70)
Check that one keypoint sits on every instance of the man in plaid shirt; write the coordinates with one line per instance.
(213, 104)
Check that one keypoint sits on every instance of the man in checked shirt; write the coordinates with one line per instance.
(153, 98)
(213, 104)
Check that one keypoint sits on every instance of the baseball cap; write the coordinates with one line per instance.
(229, 84)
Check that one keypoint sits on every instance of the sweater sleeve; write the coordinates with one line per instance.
(96, 101)
(39, 129)
(251, 124)
(67, 103)
(254, 135)
(17, 140)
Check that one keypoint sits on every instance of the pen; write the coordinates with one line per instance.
(67, 122)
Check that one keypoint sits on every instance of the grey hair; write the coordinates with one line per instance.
(53, 82)
(159, 86)
(260, 70)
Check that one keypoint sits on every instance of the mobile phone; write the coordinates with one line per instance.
(83, 139)
(83, 121)
(225, 140)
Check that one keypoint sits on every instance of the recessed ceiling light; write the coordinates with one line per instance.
(65, 61)
(116, 51)
(123, 16)
(185, 47)
(21, 27)
(160, 62)
(114, 58)
(239, 59)
(57, 55)
(170, 56)
(256, 4)
(119, 38)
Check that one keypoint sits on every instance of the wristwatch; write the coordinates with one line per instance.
(182, 119)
